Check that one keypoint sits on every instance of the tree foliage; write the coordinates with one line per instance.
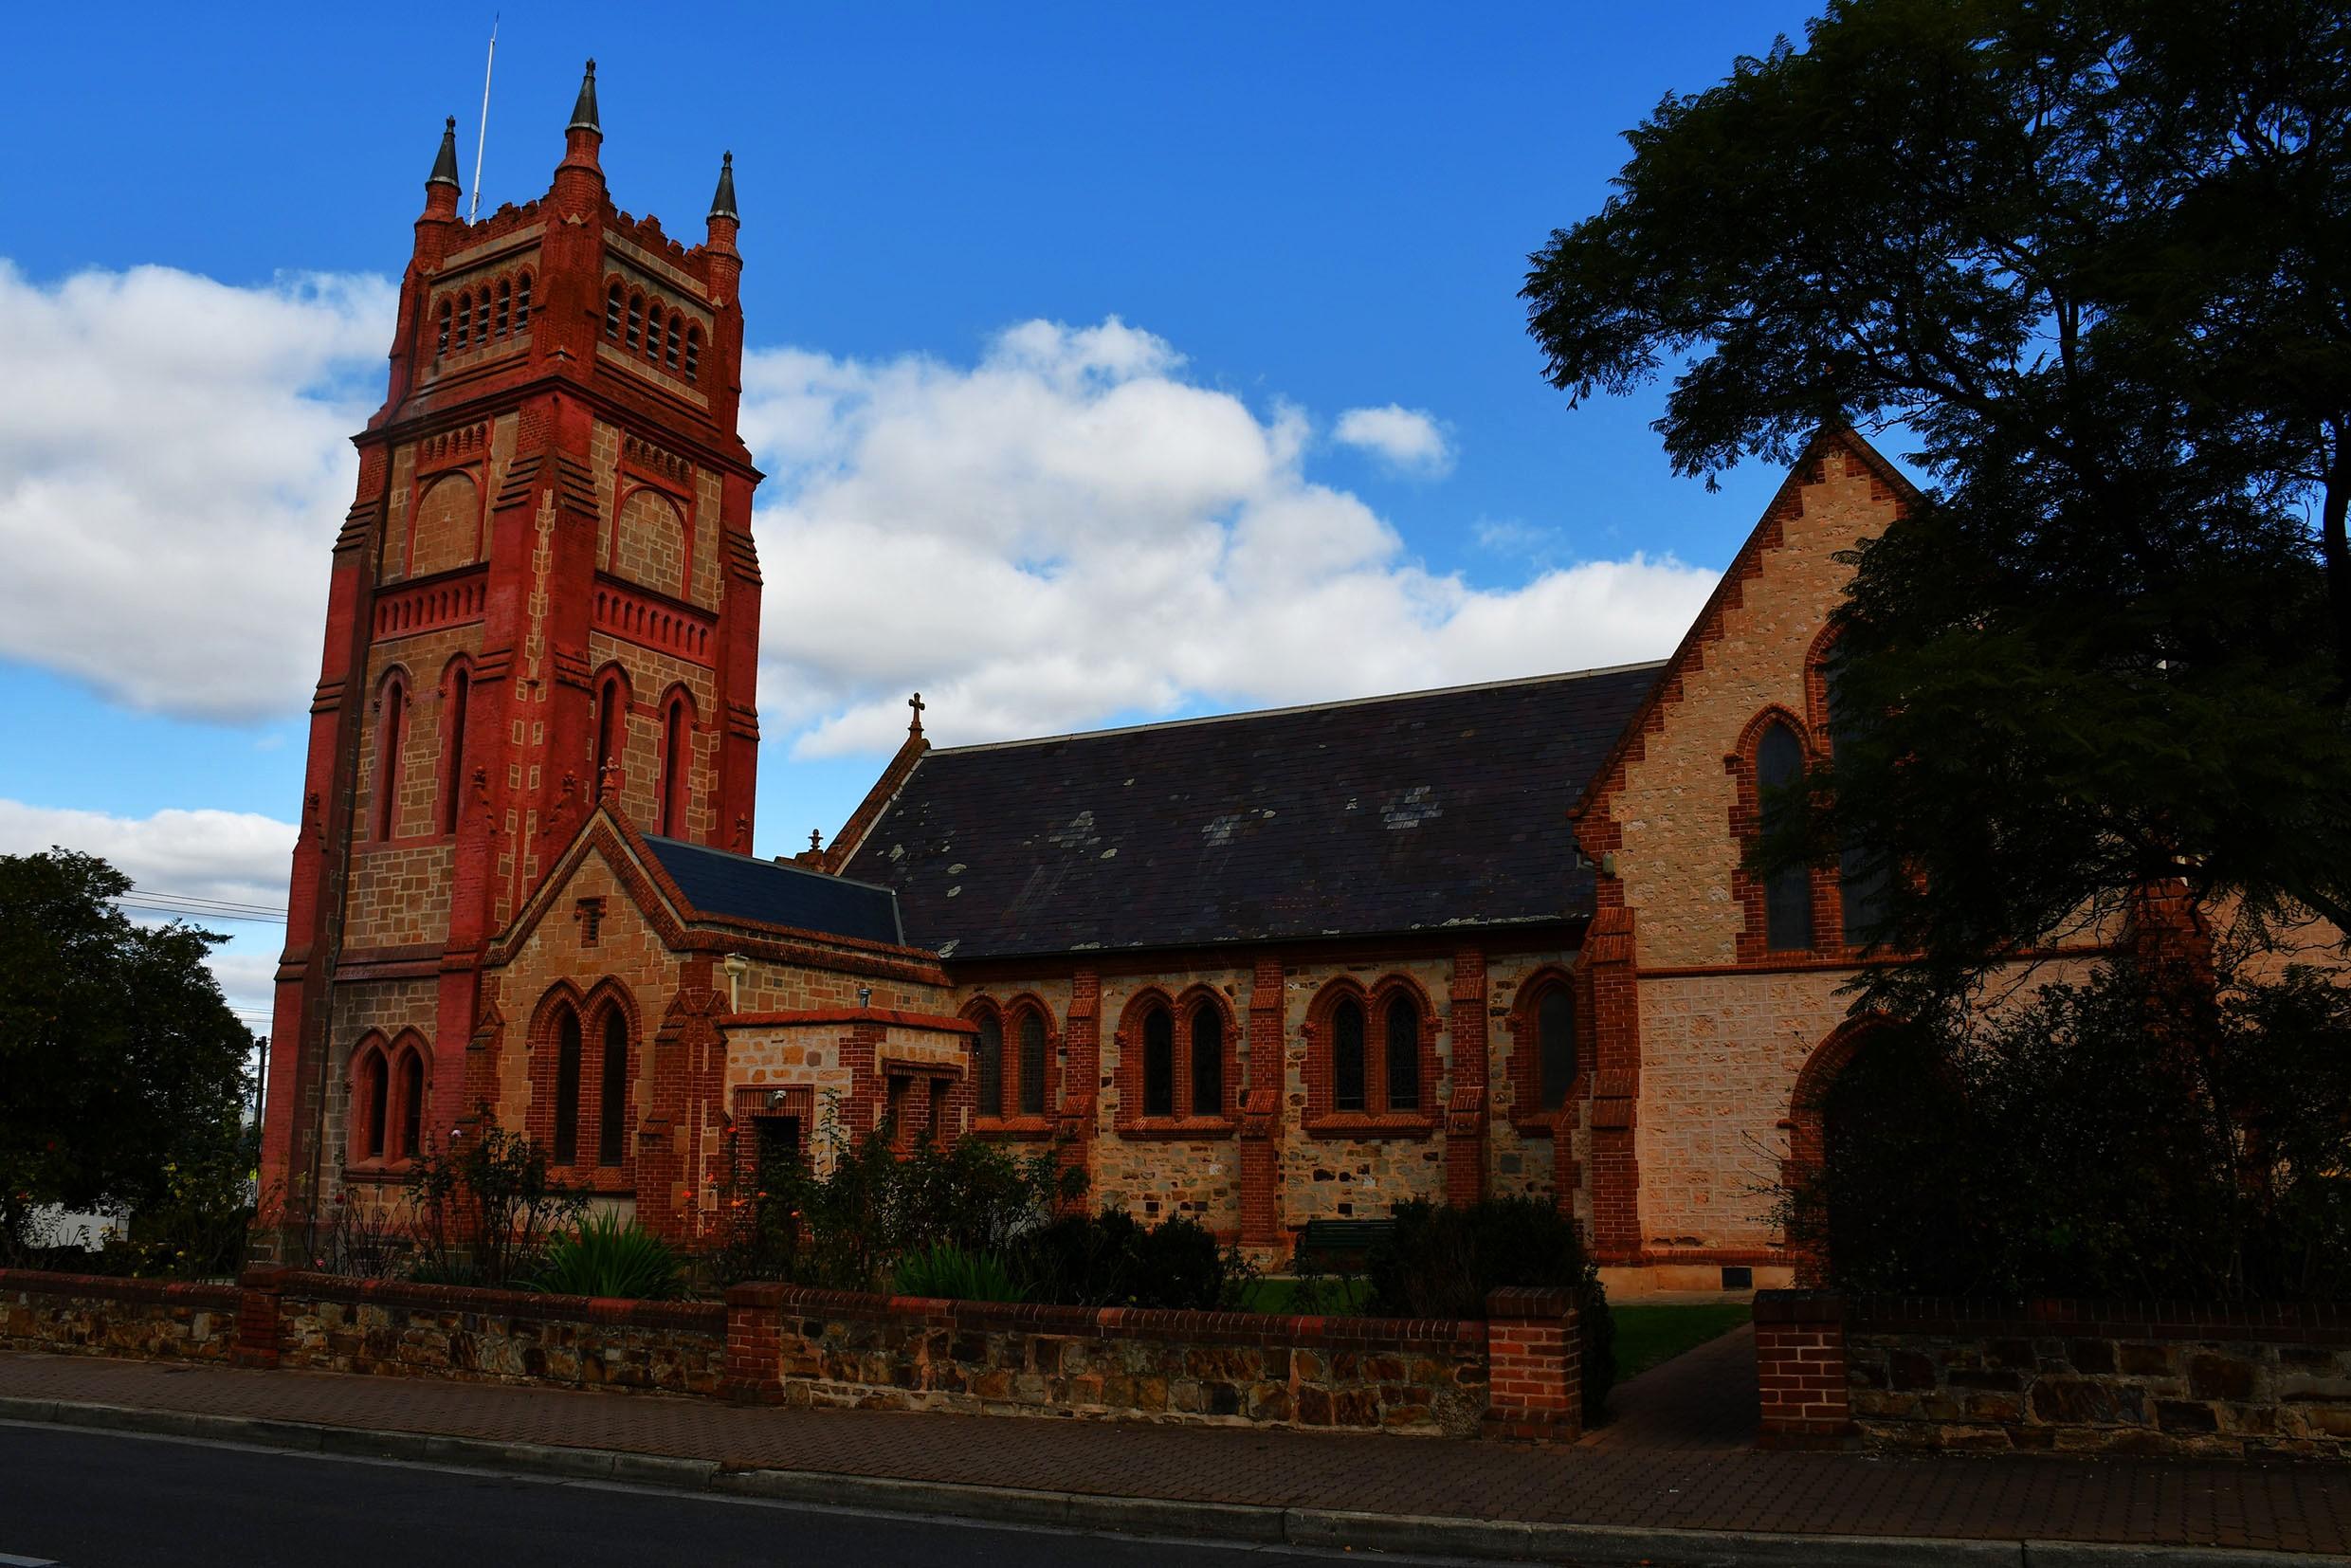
(2095, 258)
(2116, 1139)
(121, 1068)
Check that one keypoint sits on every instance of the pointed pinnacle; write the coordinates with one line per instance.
(722, 200)
(444, 165)
(584, 111)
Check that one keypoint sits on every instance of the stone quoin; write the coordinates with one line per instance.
(1258, 969)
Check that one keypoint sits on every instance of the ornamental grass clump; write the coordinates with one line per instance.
(948, 1273)
(607, 1256)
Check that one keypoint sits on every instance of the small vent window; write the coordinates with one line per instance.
(611, 313)
(522, 302)
(636, 320)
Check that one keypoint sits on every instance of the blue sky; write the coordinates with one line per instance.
(1253, 218)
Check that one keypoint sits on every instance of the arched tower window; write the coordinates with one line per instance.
(677, 765)
(612, 307)
(636, 321)
(1347, 1055)
(612, 1099)
(1788, 893)
(1032, 1064)
(481, 316)
(693, 352)
(669, 351)
(464, 320)
(1208, 1059)
(460, 688)
(1158, 1063)
(567, 1087)
(505, 305)
(990, 1049)
(522, 302)
(441, 344)
(391, 738)
(611, 729)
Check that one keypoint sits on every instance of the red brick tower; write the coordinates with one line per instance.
(545, 590)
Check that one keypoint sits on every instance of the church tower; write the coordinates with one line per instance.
(544, 595)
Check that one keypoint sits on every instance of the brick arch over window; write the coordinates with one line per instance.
(652, 540)
(1028, 1065)
(1152, 1022)
(445, 524)
(1759, 942)
(1538, 1104)
(1807, 1123)
(1329, 1031)
(367, 1119)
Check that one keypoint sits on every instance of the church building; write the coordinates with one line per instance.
(1257, 969)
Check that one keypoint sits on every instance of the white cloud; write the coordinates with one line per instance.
(1070, 530)
(1408, 439)
(238, 856)
(175, 463)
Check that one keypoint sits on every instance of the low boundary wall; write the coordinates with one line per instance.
(1515, 1374)
(2065, 1375)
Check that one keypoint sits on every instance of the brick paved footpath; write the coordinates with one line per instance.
(1677, 1457)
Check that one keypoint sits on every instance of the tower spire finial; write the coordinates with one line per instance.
(584, 109)
(722, 200)
(445, 164)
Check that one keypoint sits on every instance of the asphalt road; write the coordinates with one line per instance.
(96, 1500)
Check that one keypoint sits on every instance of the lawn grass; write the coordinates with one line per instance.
(1648, 1335)
(1342, 1298)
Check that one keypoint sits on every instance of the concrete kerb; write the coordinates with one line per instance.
(1591, 1545)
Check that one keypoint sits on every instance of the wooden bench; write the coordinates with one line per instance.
(1339, 1243)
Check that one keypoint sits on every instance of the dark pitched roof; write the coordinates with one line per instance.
(1394, 813)
(745, 888)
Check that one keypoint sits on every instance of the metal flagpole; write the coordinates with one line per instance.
(483, 134)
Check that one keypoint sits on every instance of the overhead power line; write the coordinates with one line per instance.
(155, 901)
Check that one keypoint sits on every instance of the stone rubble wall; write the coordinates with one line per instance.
(2076, 1376)
(91, 1315)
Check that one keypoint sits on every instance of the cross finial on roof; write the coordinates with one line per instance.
(816, 840)
(917, 704)
(608, 782)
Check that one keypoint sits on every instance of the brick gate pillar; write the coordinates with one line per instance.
(1799, 1366)
(1534, 1365)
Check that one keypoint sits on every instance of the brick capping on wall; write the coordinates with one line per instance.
(1516, 1374)
(2062, 1374)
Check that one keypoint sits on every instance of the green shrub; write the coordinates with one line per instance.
(2124, 1137)
(605, 1256)
(1443, 1261)
(948, 1271)
(1111, 1259)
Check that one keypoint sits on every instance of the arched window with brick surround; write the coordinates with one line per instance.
(1863, 880)
(676, 761)
(1371, 1059)
(613, 1090)
(987, 1046)
(1173, 1064)
(566, 1138)
(1549, 1066)
(612, 702)
(371, 1101)
(409, 1075)
(1032, 1060)
(392, 738)
(456, 695)
(1786, 892)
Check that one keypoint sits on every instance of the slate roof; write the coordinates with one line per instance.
(1387, 814)
(744, 887)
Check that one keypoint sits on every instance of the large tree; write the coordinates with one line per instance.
(119, 1059)
(2093, 263)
